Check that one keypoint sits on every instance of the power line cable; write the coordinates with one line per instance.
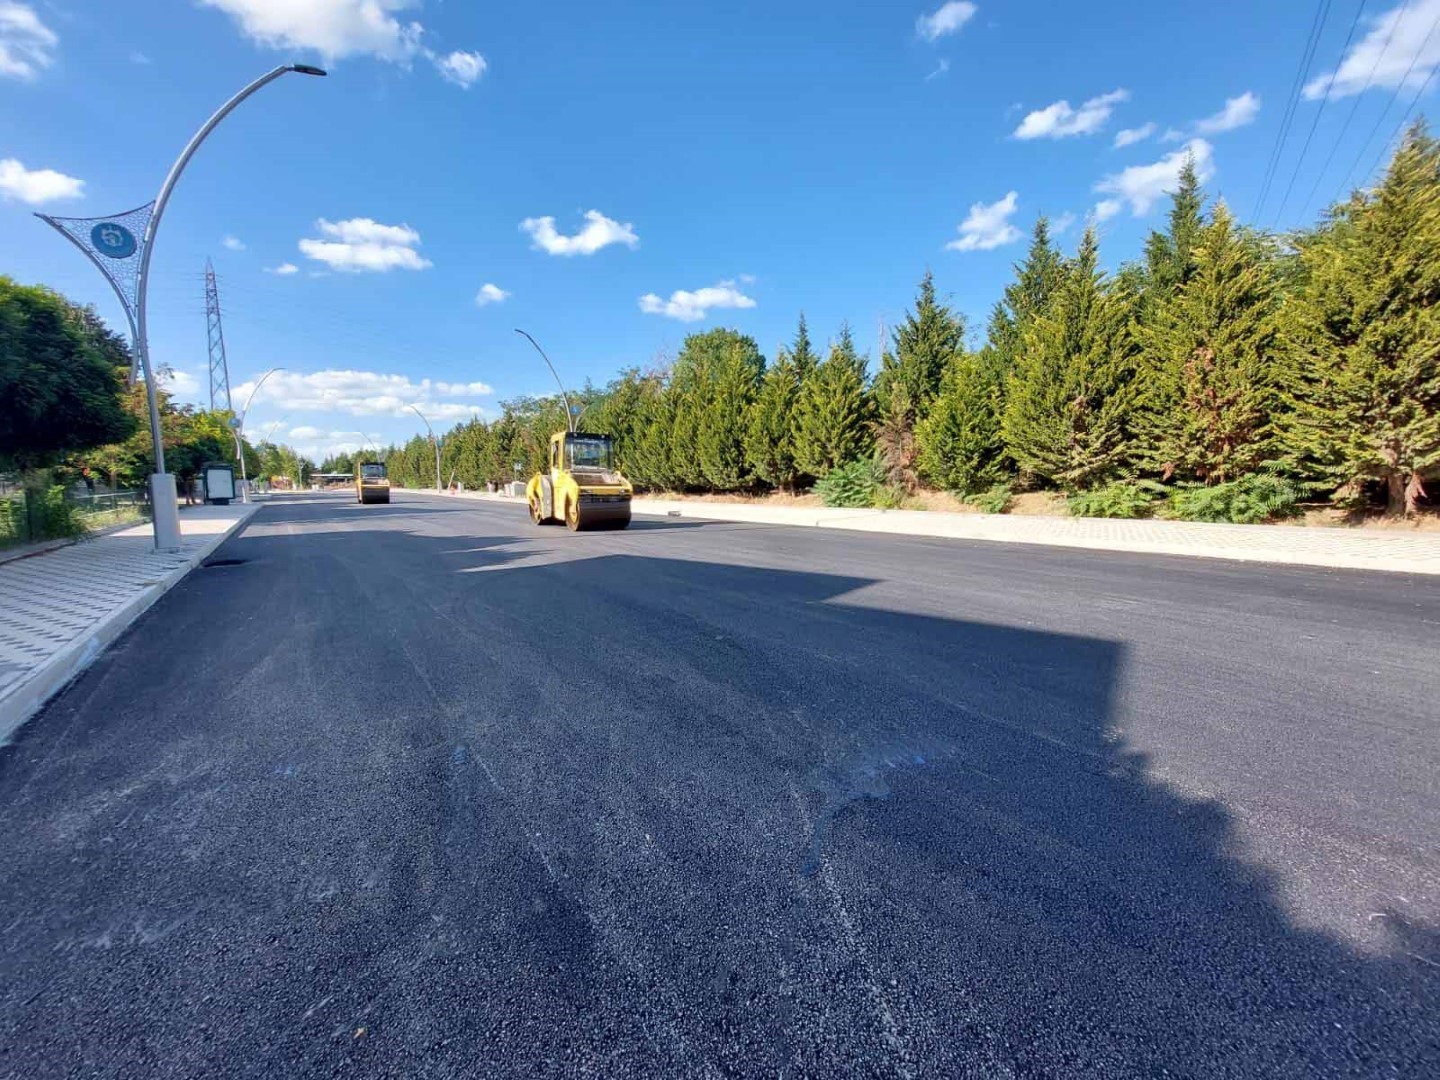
(1359, 96)
(1307, 55)
(1379, 120)
(1319, 112)
(1400, 131)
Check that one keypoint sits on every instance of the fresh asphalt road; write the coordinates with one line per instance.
(426, 790)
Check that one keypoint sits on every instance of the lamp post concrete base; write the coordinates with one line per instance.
(164, 505)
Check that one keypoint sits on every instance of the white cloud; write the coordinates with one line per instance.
(1172, 135)
(26, 44)
(1141, 186)
(1399, 50)
(305, 431)
(341, 28)
(987, 227)
(1105, 209)
(180, 384)
(283, 270)
(946, 19)
(1062, 224)
(361, 244)
(940, 69)
(460, 67)
(336, 28)
(490, 294)
(1238, 112)
(365, 393)
(37, 186)
(599, 231)
(138, 57)
(1060, 120)
(233, 243)
(1131, 136)
(462, 389)
(693, 306)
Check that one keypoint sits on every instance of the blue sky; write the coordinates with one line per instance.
(621, 175)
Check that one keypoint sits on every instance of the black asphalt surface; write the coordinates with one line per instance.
(423, 790)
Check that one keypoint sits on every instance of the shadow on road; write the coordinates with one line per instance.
(640, 815)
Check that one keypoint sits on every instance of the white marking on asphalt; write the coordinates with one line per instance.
(858, 952)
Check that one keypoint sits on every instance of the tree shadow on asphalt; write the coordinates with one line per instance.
(661, 816)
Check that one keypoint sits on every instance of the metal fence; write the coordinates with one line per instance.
(28, 517)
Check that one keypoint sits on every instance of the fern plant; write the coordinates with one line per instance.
(1262, 496)
(1122, 499)
(854, 484)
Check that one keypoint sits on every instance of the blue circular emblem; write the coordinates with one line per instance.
(113, 240)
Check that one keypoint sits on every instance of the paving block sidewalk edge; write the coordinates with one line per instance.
(27, 699)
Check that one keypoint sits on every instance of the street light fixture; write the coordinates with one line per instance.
(433, 440)
(237, 428)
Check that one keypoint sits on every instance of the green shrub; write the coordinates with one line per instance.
(1248, 501)
(1121, 499)
(994, 501)
(890, 497)
(855, 484)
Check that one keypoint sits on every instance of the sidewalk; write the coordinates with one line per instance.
(59, 609)
(1354, 549)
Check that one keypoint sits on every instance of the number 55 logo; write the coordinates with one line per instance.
(113, 240)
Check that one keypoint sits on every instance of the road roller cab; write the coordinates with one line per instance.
(582, 486)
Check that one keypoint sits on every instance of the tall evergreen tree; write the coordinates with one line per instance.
(770, 436)
(833, 411)
(1207, 349)
(1069, 397)
(801, 353)
(959, 445)
(924, 344)
(1169, 256)
(714, 381)
(1036, 280)
(1363, 363)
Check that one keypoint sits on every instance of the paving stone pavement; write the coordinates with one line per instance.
(50, 600)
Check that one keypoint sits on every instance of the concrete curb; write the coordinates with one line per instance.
(29, 697)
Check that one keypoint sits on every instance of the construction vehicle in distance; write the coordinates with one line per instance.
(371, 483)
(582, 486)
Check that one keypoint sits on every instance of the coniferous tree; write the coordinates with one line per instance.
(770, 436)
(1362, 368)
(713, 384)
(923, 345)
(833, 411)
(959, 444)
(801, 352)
(1036, 280)
(1069, 397)
(1207, 348)
(649, 456)
(1169, 256)
(734, 371)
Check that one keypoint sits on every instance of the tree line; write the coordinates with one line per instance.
(68, 414)
(1228, 374)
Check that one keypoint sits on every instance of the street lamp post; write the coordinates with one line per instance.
(162, 484)
(237, 428)
(125, 262)
(434, 441)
